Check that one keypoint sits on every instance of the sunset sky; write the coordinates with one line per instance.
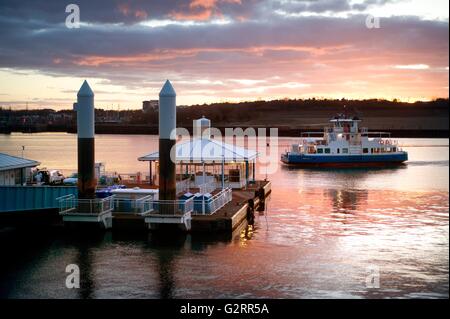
(222, 50)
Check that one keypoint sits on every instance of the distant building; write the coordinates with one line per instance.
(75, 106)
(151, 105)
(14, 170)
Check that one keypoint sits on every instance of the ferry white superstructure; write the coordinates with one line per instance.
(345, 144)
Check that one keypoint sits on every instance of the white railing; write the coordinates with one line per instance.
(183, 186)
(215, 203)
(144, 204)
(239, 184)
(207, 187)
(221, 199)
(170, 207)
(96, 206)
(66, 203)
(138, 206)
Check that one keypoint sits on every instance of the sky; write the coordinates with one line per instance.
(222, 50)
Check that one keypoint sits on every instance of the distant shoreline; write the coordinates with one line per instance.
(282, 131)
(291, 117)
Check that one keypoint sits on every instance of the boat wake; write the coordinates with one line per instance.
(428, 163)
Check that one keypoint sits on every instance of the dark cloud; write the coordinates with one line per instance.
(114, 46)
(297, 6)
(371, 3)
(34, 41)
(134, 11)
(117, 11)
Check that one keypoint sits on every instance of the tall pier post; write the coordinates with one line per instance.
(167, 123)
(86, 142)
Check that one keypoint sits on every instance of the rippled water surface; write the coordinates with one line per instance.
(326, 232)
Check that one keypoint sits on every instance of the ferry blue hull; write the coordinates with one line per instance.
(344, 160)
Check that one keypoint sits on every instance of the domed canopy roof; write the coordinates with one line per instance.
(198, 150)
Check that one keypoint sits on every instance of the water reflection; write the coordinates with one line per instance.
(322, 230)
(167, 245)
(85, 242)
(84, 259)
(346, 201)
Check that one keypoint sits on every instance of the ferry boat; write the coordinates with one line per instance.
(344, 144)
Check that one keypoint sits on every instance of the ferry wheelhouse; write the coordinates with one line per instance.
(343, 143)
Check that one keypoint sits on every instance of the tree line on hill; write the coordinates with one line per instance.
(244, 112)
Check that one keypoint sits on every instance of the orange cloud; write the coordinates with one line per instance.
(168, 54)
(125, 9)
(201, 10)
(200, 16)
(141, 14)
(210, 3)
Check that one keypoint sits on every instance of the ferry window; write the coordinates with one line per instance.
(327, 151)
(345, 150)
(365, 150)
(394, 149)
(338, 150)
(320, 150)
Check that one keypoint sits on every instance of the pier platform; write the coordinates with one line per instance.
(139, 214)
(233, 214)
(226, 219)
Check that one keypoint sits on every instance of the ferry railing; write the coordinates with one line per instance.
(311, 134)
(96, 206)
(379, 134)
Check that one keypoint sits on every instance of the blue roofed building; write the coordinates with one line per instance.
(14, 170)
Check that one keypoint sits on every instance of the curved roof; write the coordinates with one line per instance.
(8, 162)
(198, 150)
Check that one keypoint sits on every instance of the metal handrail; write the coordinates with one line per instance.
(217, 202)
(64, 197)
(61, 200)
(207, 187)
(221, 199)
(183, 186)
(144, 204)
(94, 206)
(171, 207)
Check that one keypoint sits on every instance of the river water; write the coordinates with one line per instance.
(328, 233)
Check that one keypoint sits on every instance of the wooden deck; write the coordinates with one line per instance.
(226, 219)
(233, 214)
